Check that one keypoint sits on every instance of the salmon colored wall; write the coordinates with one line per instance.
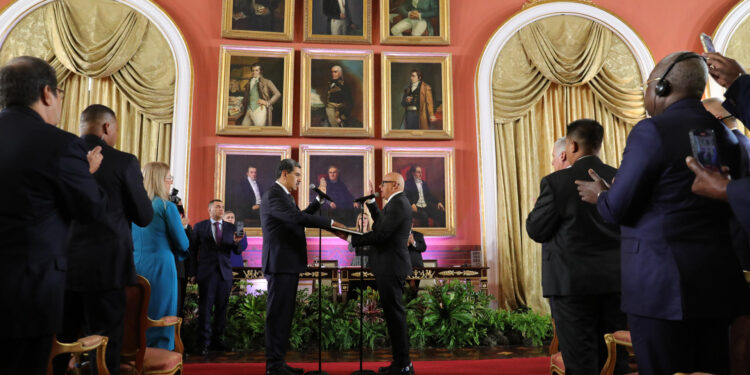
(664, 25)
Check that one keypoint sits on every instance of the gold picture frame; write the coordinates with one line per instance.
(431, 114)
(317, 26)
(234, 114)
(316, 162)
(347, 101)
(232, 184)
(258, 19)
(436, 165)
(395, 21)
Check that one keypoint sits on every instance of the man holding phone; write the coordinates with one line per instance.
(681, 283)
(212, 243)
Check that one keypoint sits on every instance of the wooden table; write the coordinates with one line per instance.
(342, 276)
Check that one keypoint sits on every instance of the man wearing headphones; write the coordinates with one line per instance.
(681, 282)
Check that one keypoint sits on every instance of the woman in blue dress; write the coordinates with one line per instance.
(155, 249)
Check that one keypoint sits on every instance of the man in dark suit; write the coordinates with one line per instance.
(424, 205)
(390, 261)
(740, 239)
(248, 198)
(48, 183)
(211, 246)
(681, 284)
(100, 256)
(580, 256)
(284, 257)
(416, 246)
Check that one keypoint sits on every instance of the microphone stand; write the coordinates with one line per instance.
(361, 297)
(320, 298)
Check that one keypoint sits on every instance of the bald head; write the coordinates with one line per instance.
(687, 77)
(392, 183)
(100, 121)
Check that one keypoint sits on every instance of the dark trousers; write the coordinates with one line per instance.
(582, 321)
(93, 313)
(26, 355)
(213, 292)
(391, 290)
(282, 297)
(181, 289)
(669, 346)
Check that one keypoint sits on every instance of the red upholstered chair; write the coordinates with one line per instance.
(612, 340)
(556, 366)
(79, 347)
(136, 358)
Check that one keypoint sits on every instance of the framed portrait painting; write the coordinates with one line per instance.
(243, 174)
(255, 91)
(417, 95)
(342, 172)
(415, 22)
(258, 19)
(336, 98)
(338, 21)
(428, 184)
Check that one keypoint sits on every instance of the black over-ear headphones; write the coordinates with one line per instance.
(663, 87)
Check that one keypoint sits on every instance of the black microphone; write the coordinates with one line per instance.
(320, 193)
(366, 198)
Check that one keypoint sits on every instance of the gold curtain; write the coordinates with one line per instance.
(106, 53)
(550, 73)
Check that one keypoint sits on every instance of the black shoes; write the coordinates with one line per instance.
(280, 371)
(285, 370)
(396, 370)
(293, 370)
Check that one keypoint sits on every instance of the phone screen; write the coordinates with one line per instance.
(703, 143)
(708, 43)
(239, 227)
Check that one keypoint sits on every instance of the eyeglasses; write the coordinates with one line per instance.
(169, 178)
(387, 182)
(644, 86)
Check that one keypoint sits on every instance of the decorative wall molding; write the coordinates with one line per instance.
(180, 152)
(485, 124)
(723, 34)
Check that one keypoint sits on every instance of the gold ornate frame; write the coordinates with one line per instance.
(365, 38)
(444, 59)
(220, 178)
(441, 39)
(222, 117)
(447, 154)
(305, 151)
(306, 128)
(284, 36)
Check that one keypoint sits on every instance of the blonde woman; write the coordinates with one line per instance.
(155, 248)
(362, 222)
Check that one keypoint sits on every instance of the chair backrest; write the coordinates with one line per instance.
(136, 310)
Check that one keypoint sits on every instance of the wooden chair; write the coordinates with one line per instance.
(612, 340)
(556, 364)
(136, 358)
(79, 347)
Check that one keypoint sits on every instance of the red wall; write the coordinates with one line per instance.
(664, 25)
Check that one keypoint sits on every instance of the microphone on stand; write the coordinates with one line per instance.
(320, 193)
(366, 198)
